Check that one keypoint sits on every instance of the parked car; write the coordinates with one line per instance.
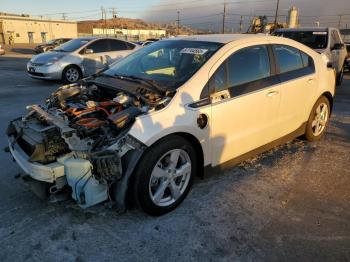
(152, 121)
(50, 45)
(347, 61)
(2, 49)
(78, 58)
(326, 41)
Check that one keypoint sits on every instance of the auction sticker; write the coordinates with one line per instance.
(193, 51)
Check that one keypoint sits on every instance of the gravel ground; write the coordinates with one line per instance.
(291, 203)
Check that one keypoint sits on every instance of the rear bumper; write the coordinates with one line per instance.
(45, 173)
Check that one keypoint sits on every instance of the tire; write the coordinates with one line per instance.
(71, 74)
(318, 120)
(158, 186)
(340, 77)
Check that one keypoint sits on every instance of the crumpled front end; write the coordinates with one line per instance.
(79, 142)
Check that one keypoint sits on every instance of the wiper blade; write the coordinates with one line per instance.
(149, 82)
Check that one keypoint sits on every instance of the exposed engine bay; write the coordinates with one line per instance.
(81, 136)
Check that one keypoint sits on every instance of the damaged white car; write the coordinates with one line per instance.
(142, 129)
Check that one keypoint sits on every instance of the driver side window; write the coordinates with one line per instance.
(242, 71)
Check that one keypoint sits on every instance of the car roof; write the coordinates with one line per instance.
(221, 38)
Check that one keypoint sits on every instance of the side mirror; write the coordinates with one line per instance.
(337, 46)
(89, 51)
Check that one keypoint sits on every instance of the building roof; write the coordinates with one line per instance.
(4, 16)
(220, 38)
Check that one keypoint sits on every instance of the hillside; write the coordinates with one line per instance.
(85, 27)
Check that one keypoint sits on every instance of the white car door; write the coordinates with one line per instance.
(245, 103)
(296, 71)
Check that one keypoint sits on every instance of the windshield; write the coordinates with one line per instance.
(169, 63)
(314, 40)
(72, 45)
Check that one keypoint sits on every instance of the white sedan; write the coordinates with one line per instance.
(151, 122)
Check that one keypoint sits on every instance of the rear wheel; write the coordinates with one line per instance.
(71, 74)
(164, 175)
(318, 119)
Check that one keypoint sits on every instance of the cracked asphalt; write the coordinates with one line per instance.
(291, 203)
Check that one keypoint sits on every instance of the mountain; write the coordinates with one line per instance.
(85, 27)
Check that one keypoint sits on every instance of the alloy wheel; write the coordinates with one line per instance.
(320, 119)
(72, 75)
(170, 177)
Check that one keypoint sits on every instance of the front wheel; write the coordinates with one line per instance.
(318, 119)
(71, 74)
(164, 175)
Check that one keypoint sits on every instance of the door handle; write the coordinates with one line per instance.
(272, 93)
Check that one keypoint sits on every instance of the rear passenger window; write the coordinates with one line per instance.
(288, 58)
(307, 60)
(116, 45)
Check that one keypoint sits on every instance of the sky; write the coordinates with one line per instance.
(206, 14)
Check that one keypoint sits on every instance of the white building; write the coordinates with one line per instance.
(28, 29)
(135, 34)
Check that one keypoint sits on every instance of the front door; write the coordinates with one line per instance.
(245, 104)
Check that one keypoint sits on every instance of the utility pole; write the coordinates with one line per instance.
(64, 16)
(339, 23)
(114, 17)
(102, 14)
(276, 15)
(240, 24)
(178, 23)
(223, 19)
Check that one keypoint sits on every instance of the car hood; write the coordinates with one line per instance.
(46, 57)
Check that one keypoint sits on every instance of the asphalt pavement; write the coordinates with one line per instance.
(289, 204)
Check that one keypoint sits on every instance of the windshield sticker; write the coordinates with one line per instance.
(319, 33)
(193, 51)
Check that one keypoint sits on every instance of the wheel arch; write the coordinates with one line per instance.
(129, 196)
(73, 65)
(329, 96)
(194, 142)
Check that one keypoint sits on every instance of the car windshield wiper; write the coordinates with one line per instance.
(150, 82)
(59, 50)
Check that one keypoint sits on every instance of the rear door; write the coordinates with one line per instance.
(118, 49)
(296, 71)
(98, 59)
(245, 101)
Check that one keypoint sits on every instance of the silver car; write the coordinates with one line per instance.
(325, 40)
(78, 58)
